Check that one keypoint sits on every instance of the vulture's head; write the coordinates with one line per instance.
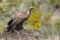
(30, 9)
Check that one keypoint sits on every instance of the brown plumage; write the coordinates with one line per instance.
(17, 20)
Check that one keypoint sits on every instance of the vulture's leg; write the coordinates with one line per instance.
(19, 26)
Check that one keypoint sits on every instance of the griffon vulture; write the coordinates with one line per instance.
(17, 20)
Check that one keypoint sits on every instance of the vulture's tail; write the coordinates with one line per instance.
(9, 26)
(13, 27)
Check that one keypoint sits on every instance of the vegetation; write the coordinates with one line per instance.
(40, 18)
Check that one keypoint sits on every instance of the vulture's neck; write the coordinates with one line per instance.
(29, 11)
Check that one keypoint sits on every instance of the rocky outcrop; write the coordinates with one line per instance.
(23, 35)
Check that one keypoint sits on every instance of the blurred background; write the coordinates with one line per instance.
(45, 16)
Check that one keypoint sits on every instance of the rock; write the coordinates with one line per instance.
(23, 35)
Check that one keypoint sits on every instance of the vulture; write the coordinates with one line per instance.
(17, 20)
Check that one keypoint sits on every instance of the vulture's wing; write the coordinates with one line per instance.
(9, 23)
(19, 17)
